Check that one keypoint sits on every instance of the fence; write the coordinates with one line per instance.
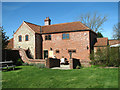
(52, 62)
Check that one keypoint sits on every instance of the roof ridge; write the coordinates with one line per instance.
(10, 39)
(102, 37)
(85, 25)
(113, 39)
(31, 23)
(59, 24)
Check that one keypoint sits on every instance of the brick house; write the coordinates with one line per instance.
(56, 40)
(101, 43)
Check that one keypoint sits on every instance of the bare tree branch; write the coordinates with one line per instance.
(116, 31)
(94, 21)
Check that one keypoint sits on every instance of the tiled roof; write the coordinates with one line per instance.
(10, 44)
(101, 42)
(35, 28)
(112, 42)
(71, 26)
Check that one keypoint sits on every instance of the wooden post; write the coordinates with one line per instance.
(45, 61)
(71, 63)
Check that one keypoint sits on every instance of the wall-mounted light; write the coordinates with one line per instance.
(87, 47)
(50, 48)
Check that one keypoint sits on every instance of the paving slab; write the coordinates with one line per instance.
(65, 67)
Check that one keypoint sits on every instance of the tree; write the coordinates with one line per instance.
(99, 34)
(116, 31)
(94, 21)
(4, 38)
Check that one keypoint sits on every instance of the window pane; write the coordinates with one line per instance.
(20, 38)
(63, 36)
(67, 36)
(45, 37)
(73, 51)
(26, 38)
(57, 51)
(49, 37)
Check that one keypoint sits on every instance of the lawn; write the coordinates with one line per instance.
(33, 77)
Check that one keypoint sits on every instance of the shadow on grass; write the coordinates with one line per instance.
(11, 69)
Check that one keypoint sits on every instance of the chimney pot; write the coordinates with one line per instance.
(47, 21)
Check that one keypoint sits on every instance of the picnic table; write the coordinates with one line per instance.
(7, 65)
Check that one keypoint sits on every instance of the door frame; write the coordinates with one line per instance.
(44, 53)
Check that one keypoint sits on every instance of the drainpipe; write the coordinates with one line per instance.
(40, 30)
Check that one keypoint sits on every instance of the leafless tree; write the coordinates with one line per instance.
(116, 31)
(93, 21)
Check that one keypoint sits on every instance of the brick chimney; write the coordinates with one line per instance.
(47, 21)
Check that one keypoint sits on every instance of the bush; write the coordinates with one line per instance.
(32, 64)
(95, 66)
(98, 58)
(114, 57)
(39, 65)
(25, 64)
(19, 62)
(77, 67)
(105, 57)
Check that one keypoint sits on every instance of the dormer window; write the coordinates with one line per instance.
(26, 37)
(47, 37)
(20, 38)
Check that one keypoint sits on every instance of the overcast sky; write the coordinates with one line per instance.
(14, 13)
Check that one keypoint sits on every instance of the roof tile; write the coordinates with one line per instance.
(10, 44)
(101, 42)
(71, 26)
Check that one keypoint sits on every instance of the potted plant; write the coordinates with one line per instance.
(77, 67)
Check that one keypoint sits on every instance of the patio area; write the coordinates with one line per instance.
(64, 67)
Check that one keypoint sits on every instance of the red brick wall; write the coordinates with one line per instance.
(78, 41)
(52, 62)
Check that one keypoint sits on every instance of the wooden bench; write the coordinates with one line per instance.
(7, 65)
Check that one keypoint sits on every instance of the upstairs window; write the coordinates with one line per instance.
(20, 38)
(47, 37)
(65, 36)
(26, 37)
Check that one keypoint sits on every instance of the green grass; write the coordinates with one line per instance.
(32, 77)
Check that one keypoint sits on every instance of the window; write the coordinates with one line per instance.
(20, 38)
(73, 51)
(48, 37)
(26, 37)
(65, 36)
(57, 51)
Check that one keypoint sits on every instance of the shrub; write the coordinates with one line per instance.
(94, 66)
(77, 67)
(32, 64)
(19, 62)
(25, 64)
(114, 57)
(105, 57)
(39, 65)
